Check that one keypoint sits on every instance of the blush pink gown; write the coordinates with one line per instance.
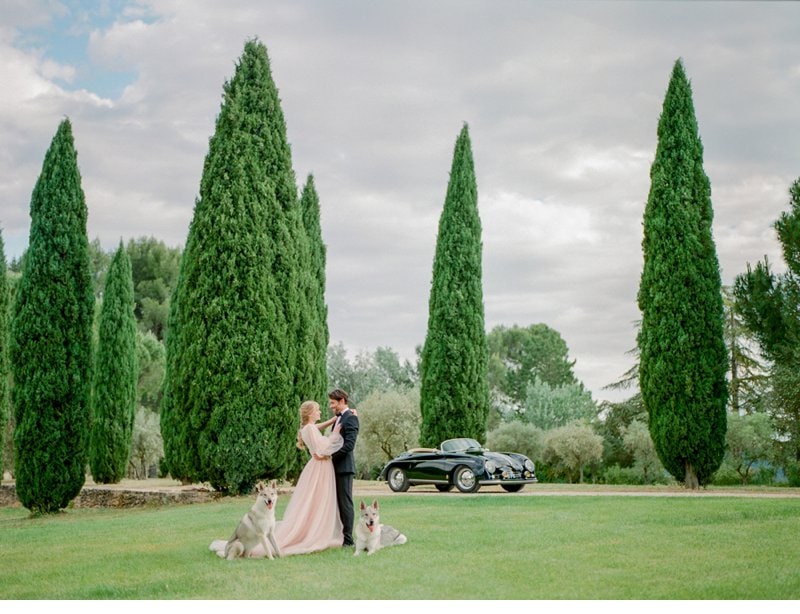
(311, 520)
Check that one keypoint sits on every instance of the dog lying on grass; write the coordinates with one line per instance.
(371, 535)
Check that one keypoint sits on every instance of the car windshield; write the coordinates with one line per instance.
(460, 445)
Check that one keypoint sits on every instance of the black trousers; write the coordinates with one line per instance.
(344, 499)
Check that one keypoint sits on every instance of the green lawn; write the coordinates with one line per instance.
(484, 546)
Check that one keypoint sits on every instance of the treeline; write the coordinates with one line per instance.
(153, 272)
(197, 360)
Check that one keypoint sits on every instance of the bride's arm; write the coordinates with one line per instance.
(323, 425)
(324, 446)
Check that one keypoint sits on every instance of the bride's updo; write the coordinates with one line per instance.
(306, 409)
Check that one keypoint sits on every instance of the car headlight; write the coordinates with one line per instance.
(529, 464)
(491, 467)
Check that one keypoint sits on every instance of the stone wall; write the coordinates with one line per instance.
(100, 496)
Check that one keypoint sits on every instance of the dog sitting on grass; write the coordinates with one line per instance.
(256, 526)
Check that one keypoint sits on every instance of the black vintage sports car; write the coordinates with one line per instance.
(462, 463)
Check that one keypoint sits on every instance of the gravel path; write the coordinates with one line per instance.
(132, 493)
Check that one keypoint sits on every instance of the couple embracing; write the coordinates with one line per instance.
(320, 513)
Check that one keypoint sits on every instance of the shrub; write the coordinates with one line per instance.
(516, 436)
(621, 475)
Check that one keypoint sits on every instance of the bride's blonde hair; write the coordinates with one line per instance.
(306, 409)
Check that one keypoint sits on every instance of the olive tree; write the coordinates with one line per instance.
(572, 448)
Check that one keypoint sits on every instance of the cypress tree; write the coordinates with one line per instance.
(51, 337)
(308, 334)
(454, 395)
(683, 357)
(4, 409)
(229, 409)
(115, 375)
(317, 332)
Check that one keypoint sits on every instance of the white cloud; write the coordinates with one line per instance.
(562, 101)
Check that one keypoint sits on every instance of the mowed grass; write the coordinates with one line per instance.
(483, 546)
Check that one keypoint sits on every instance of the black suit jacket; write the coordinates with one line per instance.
(344, 460)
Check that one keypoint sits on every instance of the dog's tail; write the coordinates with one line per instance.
(391, 536)
(219, 546)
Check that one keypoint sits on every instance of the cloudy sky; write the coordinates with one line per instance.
(562, 100)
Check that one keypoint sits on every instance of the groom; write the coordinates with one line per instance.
(344, 462)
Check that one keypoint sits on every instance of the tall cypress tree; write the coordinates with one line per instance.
(308, 348)
(683, 357)
(229, 409)
(51, 337)
(454, 395)
(3, 348)
(317, 336)
(115, 375)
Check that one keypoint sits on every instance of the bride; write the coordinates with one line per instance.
(311, 520)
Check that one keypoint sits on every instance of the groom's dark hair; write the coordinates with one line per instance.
(338, 395)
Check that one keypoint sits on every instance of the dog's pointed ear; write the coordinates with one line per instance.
(375, 503)
(259, 486)
(362, 505)
(273, 484)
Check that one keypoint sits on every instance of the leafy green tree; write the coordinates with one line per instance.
(147, 447)
(572, 448)
(316, 336)
(636, 439)
(389, 424)
(517, 436)
(683, 358)
(51, 337)
(155, 272)
(229, 411)
(454, 398)
(391, 372)
(746, 387)
(784, 407)
(151, 358)
(368, 372)
(614, 417)
(548, 407)
(15, 266)
(769, 306)
(99, 261)
(354, 376)
(115, 376)
(518, 355)
(750, 440)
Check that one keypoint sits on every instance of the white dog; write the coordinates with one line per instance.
(371, 535)
(256, 526)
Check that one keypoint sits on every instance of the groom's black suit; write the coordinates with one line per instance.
(344, 466)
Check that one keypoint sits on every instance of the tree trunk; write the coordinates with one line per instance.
(690, 479)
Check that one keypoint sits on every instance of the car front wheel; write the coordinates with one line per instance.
(398, 480)
(465, 479)
(512, 487)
